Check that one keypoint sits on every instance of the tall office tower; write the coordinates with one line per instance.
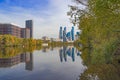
(60, 33)
(65, 29)
(68, 35)
(64, 36)
(72, 33)
(29, 25)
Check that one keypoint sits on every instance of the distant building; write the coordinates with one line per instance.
(64, 36)
(77, 35)
(45, 38)
(14, 30)
(29, 25)
(72, 33)
(68, 36)
(10, 29)
(25, 33)
(60, 33)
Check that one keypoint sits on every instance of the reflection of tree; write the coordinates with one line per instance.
(101, 72)
(100, 66)
(8, 52)
(86, 57)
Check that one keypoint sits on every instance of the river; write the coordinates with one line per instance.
(59, 63)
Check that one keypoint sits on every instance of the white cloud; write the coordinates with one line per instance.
(46, 22)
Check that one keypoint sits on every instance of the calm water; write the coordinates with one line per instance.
(62, 63)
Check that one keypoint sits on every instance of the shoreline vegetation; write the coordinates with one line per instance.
(11, 46)
(99, 23)
(12, 41)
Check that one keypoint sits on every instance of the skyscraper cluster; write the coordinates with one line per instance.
(66, 36)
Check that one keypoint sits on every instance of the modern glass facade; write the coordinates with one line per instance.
(66, 36)
(72, 33)
(60, 33)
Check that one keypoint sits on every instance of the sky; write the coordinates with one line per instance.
(47, 15)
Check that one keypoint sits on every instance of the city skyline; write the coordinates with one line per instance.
(46, 14)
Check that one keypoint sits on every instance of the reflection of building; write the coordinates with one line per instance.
(67, 51)
(25, 57)
(29, 61)
(8, 62)
(45, 49)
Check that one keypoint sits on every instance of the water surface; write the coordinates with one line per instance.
(61, 63)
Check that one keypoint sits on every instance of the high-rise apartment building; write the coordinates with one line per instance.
(29, 24)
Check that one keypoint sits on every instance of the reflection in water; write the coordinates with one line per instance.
(29, 62)
(46, 66)
(45, 49)
(24, 57)
(68, 51)
(100, 66)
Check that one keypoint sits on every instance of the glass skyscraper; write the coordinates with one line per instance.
(68, 35)
(72, 33)
(64, 35)
(60, 33)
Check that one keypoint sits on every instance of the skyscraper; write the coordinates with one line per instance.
(65, 29)
(64, 35)
(29, 25)
(60, 33)
(72, 33)
(68, 35)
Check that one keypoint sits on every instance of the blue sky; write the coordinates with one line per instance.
(47, 15)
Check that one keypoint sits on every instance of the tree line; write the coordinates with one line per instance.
(99, 23)
(9, 40)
